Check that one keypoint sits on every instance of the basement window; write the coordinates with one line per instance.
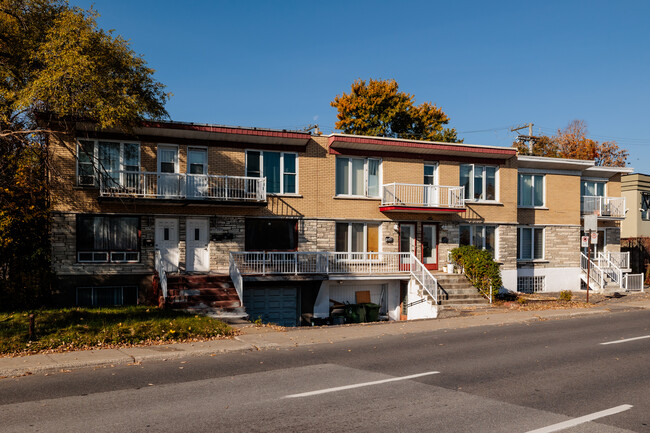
(107, 296)
(531, 284)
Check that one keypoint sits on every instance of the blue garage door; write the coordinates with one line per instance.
(272, 305)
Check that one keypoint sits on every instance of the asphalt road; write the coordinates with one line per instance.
(539, 376)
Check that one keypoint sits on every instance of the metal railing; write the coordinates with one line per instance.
(596, 274)
(620, 259)
(603, 206)
(162, 275)
(371, 263)
(404, 194)
(182, 186)
(236, 278)
(611, 269)
(633, 282)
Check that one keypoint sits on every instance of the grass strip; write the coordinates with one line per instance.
(82, 328)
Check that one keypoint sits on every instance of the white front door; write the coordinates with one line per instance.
(167, 242)
(197, 252)
(169, 181)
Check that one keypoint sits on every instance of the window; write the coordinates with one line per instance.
(107, 296)
(111, 158)
(532, 284)
(357, 176)
(357, 237)
(430, 173)
(592, 188)
(279, 169)
(530, 243)
(479, 181)
(482, 237)
(271, 235)
(531, 190)
(105, 239)
(645, 206)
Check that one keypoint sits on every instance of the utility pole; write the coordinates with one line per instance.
(525, 138)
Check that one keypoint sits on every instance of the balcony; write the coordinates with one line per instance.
(422, 198)
(182, 186)
(606, 208)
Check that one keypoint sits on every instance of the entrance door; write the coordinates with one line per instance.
(430, 246)
(196, 245)
(168, 177)
(406, 243)
(167, 242)
(431, 192)
(197, 168)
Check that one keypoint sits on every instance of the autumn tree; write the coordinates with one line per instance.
(572, 142)
(378, 108)
(56, 65)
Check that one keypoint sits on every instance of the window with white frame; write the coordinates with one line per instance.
(645, 206)
(479, 181)
(531, 284)
(113, 159)
(592, 188)
(103, 239)
(279, 168)
(430, 173)
(531, 190)
(530, 243)
(480, 236)
(357, 237)
(357, 176)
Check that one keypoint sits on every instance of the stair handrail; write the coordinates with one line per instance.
(612, 270)
(423, 276)
(162, 274)
(236, 278)
(596, 273)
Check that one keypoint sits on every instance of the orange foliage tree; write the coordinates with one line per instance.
(378, 108)
(572, 142)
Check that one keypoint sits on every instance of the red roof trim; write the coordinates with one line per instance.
(436, 146)
(228, 130)
(418, 209)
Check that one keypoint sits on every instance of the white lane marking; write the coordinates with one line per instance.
(583, 419)
(359, 385)
(626, 340)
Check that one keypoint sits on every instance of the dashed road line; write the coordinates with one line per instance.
(583, 419)
(626, 340)
(359, 385)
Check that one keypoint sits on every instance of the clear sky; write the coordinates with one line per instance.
(490, 65)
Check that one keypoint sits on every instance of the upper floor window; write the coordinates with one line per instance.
(430, 173)
(480, 236)
(108, 238)
(530, 243)
(645, 206)
(279, 168)
(357, 176)
(531, 190)
(479, 181)
(590, 188)
(109, 158)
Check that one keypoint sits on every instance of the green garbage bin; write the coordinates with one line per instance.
(372, 312)
(355, 313)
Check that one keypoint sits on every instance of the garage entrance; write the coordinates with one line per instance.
(277, 305)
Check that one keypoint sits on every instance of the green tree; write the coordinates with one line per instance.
(378, 108)
(57, 67)
(572, 142)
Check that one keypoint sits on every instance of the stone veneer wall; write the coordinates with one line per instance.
(560, 248)
(613, 239)
(223, 227)
(507, 246)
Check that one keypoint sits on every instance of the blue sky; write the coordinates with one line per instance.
(488, 65)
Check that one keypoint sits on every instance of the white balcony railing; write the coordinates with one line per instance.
(433, 196)
(182, 186)
(620, 259)
(613, 207)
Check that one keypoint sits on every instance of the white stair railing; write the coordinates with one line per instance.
(162, 274)
(596, 274)
(611, 269)
(423, 276)
(620, 259)
(237, 279)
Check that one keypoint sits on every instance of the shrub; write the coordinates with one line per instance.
(566, 295)
(479, 267)
(522, 301)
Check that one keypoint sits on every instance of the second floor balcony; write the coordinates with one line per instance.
(603, 207)
(413, 197)
(182, 186)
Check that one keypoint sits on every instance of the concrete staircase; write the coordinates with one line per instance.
(211, 295)
(456, 292)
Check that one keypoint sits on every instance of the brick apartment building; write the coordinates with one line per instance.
(295, 220)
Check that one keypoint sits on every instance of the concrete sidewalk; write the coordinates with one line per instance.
(254, 338)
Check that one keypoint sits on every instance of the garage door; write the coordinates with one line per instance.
(274, 305)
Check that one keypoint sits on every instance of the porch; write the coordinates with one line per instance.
(605, 208)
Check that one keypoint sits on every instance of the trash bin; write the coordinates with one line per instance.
(355, 313)
(372, 312)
